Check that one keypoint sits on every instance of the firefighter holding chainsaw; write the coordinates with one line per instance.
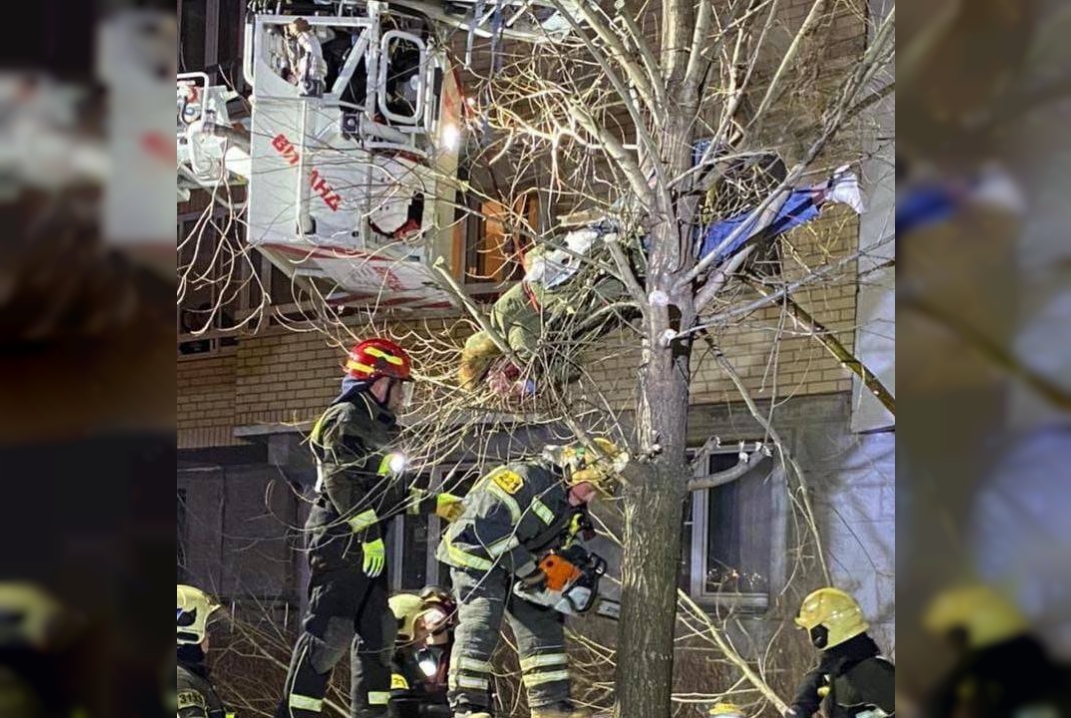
(360, 488)
(498, 551)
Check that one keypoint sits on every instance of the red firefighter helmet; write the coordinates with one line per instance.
(375, 358)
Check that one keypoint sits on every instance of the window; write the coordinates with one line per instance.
(730, 535)
(183, 538)
(213, 275)
(415, 538)
(212, 33)
(223, 281)
(493, 249)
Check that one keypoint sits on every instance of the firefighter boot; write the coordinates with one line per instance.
(562, 709)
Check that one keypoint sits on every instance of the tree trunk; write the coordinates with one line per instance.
(651, 560)
(654, 502)
(654, 497)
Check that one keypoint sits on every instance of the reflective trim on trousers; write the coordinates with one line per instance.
(480, 684)
(378, 698)
(531, 680)
(548, 659)
(305, 703)
(472, 664)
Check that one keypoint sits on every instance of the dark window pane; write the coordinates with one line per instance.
(415, 553)
(739, 517)
(231, 31)
(192, 32)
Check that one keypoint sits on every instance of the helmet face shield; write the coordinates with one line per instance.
(408, 390)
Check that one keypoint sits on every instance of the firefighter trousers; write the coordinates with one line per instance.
(348, 611)
(482, 599)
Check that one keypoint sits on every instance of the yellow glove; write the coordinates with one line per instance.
(449, 507)
(375, 557)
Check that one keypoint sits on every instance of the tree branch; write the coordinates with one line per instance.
(817, 330)
(743, 466)
(817, 274)
(451, 283)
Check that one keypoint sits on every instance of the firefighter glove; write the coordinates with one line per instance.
(375, 557)
(449, 507)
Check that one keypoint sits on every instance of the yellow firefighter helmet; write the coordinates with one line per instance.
(406, 607)
(30, 615)
(584, 464)
(194, 609)
(980, 611)
(831, 617)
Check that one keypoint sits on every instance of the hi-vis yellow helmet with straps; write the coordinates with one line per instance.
(596, 467)
(982, 613)
(30, 615)
(831, 617)
(194, 608)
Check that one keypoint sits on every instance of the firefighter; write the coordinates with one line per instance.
(513, 515)
(196, 698)
(422, 617)
(307, 59)
(852, 677)
(46, 654)
(1002, 670)
(360, 488)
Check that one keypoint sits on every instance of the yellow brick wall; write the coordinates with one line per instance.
(205, 401)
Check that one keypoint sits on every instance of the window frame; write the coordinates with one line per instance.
(438, 474)
(210, 63)
(244, 307)
(754, 602)
(183, 526)
(474, 226)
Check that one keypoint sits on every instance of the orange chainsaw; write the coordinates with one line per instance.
(571, 584)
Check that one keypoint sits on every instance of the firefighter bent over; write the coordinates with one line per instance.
(512, 516)
(359, 491)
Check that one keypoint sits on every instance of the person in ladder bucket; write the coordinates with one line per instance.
(513, 517)
(853, 679)
(306, 58)
(196, 698)
(360, 489)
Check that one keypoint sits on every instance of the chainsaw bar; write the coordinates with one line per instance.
(608, 609)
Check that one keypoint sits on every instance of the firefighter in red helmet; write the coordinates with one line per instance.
(360, 488)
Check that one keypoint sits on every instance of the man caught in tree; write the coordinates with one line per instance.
(360, 489)
(853, 679)
(512, 517)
